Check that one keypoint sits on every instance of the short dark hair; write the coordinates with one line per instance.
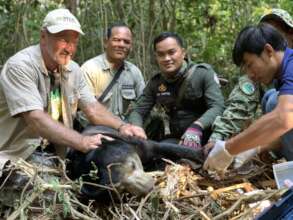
(113, 25)
(252, 39)
(162, 36)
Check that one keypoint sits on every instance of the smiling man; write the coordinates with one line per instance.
(40, 90)
(188, 93)
(114, 81)
(262, 53)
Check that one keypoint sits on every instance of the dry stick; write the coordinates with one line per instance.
(80, 215)
(7, 177)
(250, 209)
(143, 201)
(203, 214)
(84, 207)
(166, 215)
(245, 198)
(115, 190)
(192, 196)
(26, 203)
(132, 212)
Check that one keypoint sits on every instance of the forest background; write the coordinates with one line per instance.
(209, 27)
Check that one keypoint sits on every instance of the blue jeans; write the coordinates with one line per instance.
(268, 103)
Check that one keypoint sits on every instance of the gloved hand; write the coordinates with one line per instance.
(219, 159)
(243, 157)
(192, 136)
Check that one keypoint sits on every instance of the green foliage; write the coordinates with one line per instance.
(208, 27)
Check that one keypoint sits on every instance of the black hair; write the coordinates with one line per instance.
(162, 36)
(252, 39)
(281, 23)
(110, 28)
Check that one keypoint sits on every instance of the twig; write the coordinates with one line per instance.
(25, 204)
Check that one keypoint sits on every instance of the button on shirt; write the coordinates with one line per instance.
(25, 86)
(128, 87)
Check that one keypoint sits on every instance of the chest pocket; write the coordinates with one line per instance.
(128, 96)
(128, 92)
(193, 92)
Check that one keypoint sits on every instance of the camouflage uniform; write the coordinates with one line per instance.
(246, 95)
(241, 110)
(202, 99)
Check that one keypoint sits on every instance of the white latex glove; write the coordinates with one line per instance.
(219, 159)
(244, 157)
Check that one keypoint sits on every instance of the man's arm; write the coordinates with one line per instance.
(142, 107)
(97, 114)
(41, 123)
(213, 97)
(265, 130)
(240, 111)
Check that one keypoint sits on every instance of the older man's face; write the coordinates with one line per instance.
(170, 56)
(117, 47)
(59, 48)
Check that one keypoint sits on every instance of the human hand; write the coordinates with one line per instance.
(192, 137)
(219, 159)
(132, 130)
(208, 147)
(243, 157)
(92, 142)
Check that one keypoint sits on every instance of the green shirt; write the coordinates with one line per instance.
(202, 97)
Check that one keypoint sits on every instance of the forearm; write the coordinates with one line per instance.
(97, 114)
(207, 119)
(264, 131)
(235, 119)
(54, 131)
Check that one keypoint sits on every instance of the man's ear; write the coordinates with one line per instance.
(42, 36)
(269, 50)
(105, 43)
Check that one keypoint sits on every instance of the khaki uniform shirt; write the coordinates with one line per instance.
(25, 86)
(127, 89)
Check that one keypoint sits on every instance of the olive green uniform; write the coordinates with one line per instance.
(201, 99)
(241, 109)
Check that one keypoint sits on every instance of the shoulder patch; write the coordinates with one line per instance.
(247, 88)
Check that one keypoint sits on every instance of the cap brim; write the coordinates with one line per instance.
(274, 17)
(58, 28)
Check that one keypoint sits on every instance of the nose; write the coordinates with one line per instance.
(166, 58)
(71, 47)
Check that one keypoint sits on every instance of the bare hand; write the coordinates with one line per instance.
(208, 147)
(132, 130)
(92, 142)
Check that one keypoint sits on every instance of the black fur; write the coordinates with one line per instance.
(116, 152)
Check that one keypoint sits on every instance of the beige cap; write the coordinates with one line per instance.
(278, 14)
(60, 20)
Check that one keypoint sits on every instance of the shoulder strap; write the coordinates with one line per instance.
(111, 84)
(184, 84)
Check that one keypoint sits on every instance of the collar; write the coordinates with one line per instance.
(106, 65)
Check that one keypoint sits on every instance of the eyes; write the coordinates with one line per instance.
(163, 54)
(125, 41)
(67, 41)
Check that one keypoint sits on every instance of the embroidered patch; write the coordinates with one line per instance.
(248, 88)
(162, 88)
